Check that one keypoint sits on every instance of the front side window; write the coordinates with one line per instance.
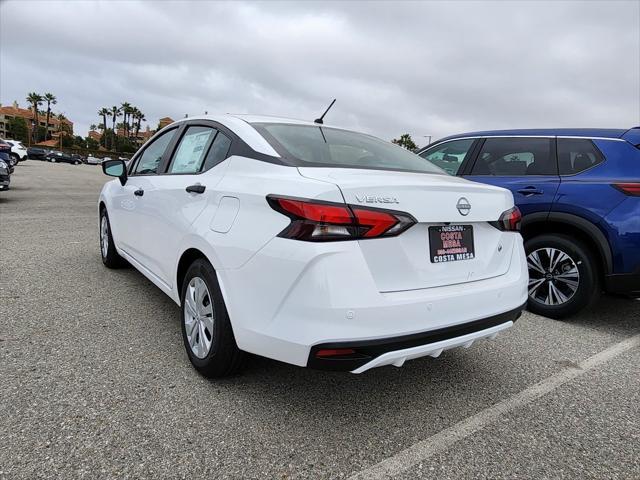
(152, 154)
(449, 155)
(576, 155)
(191, 150)
(317, 146)
(514, 157)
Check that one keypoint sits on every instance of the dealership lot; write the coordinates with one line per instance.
(96, 384)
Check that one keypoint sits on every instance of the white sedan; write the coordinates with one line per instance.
(312, 245)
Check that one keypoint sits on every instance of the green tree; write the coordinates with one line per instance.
(18, 129)
(92, 144)
(35, 100)
(41, 131)
(51, 99)
(405, 141)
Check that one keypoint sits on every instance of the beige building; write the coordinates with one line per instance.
(9, 112)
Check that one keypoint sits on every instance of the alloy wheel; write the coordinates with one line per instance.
(553, 276)
(199, 317)
(104, 236)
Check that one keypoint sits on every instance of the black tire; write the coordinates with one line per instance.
(110, 256)
(76, 163)
(52, 160)
(588, 278)
(16, 158)
(224, 358)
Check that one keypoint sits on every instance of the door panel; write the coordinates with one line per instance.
(526, 166)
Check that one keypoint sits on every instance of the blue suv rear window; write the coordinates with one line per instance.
(576, 155)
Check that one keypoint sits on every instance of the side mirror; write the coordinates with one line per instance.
(115, 168)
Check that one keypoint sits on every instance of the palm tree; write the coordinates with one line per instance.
(115, 113)
(51, 99)
(103, 112)
(126, 110)
(92, 127)
(35, 100)
(141, 118)
(63, 128)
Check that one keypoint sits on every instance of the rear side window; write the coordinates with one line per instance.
(317, 146)
(449, 155)
(218, 151)
(576, 155)
(152, 154)
(515, 157)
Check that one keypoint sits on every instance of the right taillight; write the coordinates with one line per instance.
(509, 221)
(319, 221)
(632, 189)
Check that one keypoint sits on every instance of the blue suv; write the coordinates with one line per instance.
(579, 194)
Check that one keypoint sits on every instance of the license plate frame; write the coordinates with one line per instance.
(451, 243)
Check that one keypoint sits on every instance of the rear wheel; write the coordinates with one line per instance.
(206, 328)
(110, 256)
(15, 157)
(563, 275)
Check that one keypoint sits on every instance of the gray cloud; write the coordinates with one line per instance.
(428, 68)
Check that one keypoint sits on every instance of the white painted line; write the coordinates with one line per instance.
(444, 439)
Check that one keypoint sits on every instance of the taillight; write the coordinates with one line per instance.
(509, 221)
(632, 189)
(318, 221)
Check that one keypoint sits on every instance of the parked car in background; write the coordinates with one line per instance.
(360, 253)
(78, 157)
(62, 157)
(37, 153)
(18, 150)
(91, 160)
(579, 194)
(5, 155)
(5, 175)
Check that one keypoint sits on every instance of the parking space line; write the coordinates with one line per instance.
(444, 439)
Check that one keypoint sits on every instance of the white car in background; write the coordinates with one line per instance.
(18, 151)
(312, 245)
(91, 160)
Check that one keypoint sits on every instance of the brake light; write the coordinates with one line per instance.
(632, 189)
(509, 220)
(318, 221)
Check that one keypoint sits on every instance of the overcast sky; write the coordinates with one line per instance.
(427, 68)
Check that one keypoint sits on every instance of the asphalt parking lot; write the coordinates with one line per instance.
(95, 382)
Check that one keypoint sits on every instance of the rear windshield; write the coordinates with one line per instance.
(311, 146)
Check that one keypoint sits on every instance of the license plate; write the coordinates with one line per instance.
(450, 243)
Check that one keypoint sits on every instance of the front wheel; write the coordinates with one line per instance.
(206, 328)
(52, 160)
(563, 275)
(15, 158)
(110, 256)
(76, 162)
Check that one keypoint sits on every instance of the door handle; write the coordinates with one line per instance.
(197, 188)
(530, 191)
(139, 192)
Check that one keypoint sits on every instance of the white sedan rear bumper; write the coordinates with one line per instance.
(285, 306)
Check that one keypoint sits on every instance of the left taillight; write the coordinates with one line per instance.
(319, 221)
(509, 221)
